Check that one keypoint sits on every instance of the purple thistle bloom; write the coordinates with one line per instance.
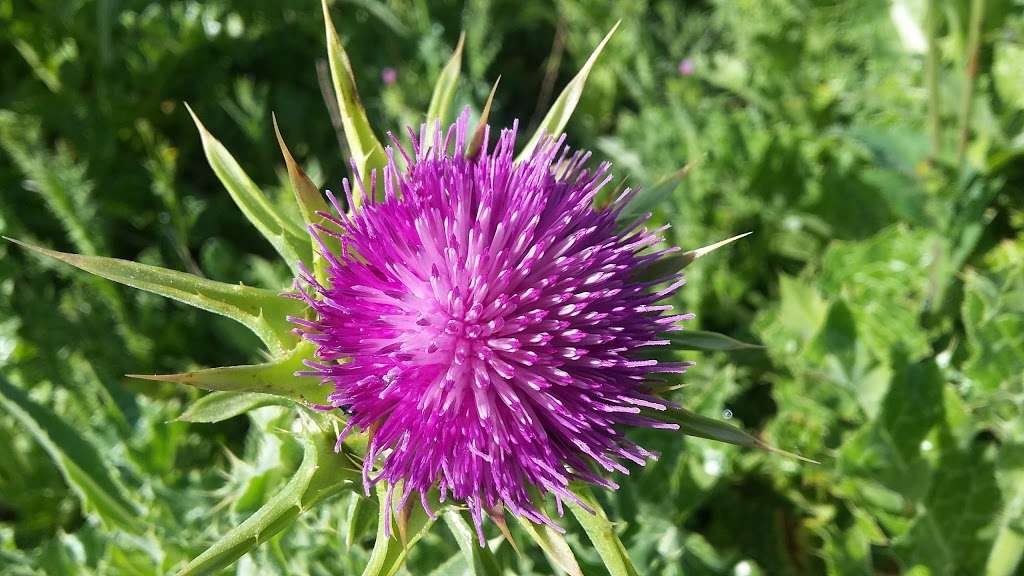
(687, 67)
(485, 325)
(389, 76)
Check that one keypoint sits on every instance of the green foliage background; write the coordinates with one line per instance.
(885, 276)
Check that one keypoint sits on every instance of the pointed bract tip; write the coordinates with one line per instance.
(692, 255)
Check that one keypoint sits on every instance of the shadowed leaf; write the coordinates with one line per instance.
(319, 476)
(709, 341)
(78, 460)
(693, 424)
(647, 199)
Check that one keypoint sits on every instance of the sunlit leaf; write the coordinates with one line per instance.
(555, 548)
(290, 241)
(389, 552)
(311, 202)
(263, 311)
(218, 406)
(480, 559)
(477, 142)
(366, 149)
(674, 263)
(276, 378)
(601, 532)
(444, 91)
(560, 112)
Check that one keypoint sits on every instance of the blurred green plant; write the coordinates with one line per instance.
(883, 277)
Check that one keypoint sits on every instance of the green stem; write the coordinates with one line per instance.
(973, 54)
(932, 78)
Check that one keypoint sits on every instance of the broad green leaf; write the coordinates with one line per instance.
(555, 548)
(444, 91)
(389, 553)
(321, 474)
(993, 317)
(263, 311)
(704, 340)
(887, 451)
(647, 199)
(276, 378)
(365, 148)
(674, 263)
(601, 532)
(951, 535)
(480, 558)
(560, 112)
(287, 238)
(79, 461)
(218, 406)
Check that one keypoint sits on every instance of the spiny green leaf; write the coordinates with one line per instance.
(307, 195)
(648, 199)
(444, 90)
(705, 340)
(558, 115)
(310, 201)
(263, 311)
(674, 263)
(276, 377)
(601, 532)
(554, 545)
(79, 460)
(365, 148)
(320, 475)
(693, 424)
(480, 559)
(389, 553)
(481, 127)
(290, 241)
(218, 406)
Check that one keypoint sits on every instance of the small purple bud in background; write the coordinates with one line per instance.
(389, 76)
(687, 67)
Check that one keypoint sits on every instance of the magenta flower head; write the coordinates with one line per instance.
(687, 67)
(389, 76)
(486, 324)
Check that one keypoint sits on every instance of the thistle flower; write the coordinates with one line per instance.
(389, 76)
(489, 324)
(486, 329)
(687, 67)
